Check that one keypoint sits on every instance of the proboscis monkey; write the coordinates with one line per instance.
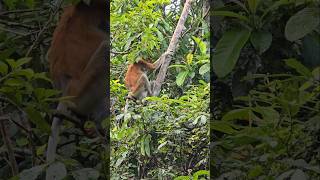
(78, 60)
(137, 81)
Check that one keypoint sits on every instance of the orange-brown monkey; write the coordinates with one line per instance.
(137, 81)
(79, 65)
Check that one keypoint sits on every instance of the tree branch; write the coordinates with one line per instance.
(167, 56)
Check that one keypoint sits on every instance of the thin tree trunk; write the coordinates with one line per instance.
(167, 56)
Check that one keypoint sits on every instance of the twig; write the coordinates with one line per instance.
(20, 11)
(17, 24)
(44, 27)
(116, 52)
(8, 144)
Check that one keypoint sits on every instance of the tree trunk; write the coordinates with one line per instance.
(167, 56)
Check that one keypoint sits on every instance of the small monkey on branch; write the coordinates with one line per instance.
(137, 81)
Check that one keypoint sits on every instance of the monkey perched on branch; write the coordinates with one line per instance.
(137, 81)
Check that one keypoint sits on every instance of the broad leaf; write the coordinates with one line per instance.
(3, 68)
(204, 69)
(228, 51)
(86, 173)
(31, 174)
(181, 77)
(302, 23)
(200, 173)
(58, 171)
(301, 69)
(299, 175)
(237, 114)
(230, 14)
(261, 41)
(253, 4)
(221, 126)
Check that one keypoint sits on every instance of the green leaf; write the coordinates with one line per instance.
(253, 4)
(12, 63)
(147, 145)
(14, 82)
(255, 172)
(302, 23)
(189, 58)
(261, 41)
(310, 49)
(274, 7)
(204, 69)
(143, 152)
(228, 51)
(36, 118)
(201, 44)
(22, 61)
(237, 114)
(3, 68)
(32, 173)
(30, 3)
(182, 178)
(181, 77)
(58, 171)
(298, 175)
(300, 68)
(22, 141)
(285, 175)
(28, 73)
(221, 126)
(230, 14)
(41, 150)
(200, 173)
(268, 113)
(86, 173)
(41, 76)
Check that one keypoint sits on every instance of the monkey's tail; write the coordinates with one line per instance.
(53, 143)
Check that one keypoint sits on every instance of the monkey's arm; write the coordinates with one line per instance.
(91, 86)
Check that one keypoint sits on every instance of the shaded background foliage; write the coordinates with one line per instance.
(266, 57)
(28, 101)
(168, 135)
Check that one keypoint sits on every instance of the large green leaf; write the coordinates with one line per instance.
(57, 171)
(237, 114)
(222, 126)
(200, 173)
(310, 49)
(253, 4)
(181, 77)
(86, 173)
(230, 14)
(261, 41)
(302, 23)
(300, 68)
(228, 51)
(32, 173)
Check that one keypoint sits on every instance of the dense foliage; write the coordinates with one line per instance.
(166, 136)
(266, 58)
(28, 101)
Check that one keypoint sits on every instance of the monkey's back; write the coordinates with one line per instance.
(74, 43)
(132, 76)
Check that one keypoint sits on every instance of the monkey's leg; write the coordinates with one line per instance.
(147, 84)
(143, 88)
(88, 90)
